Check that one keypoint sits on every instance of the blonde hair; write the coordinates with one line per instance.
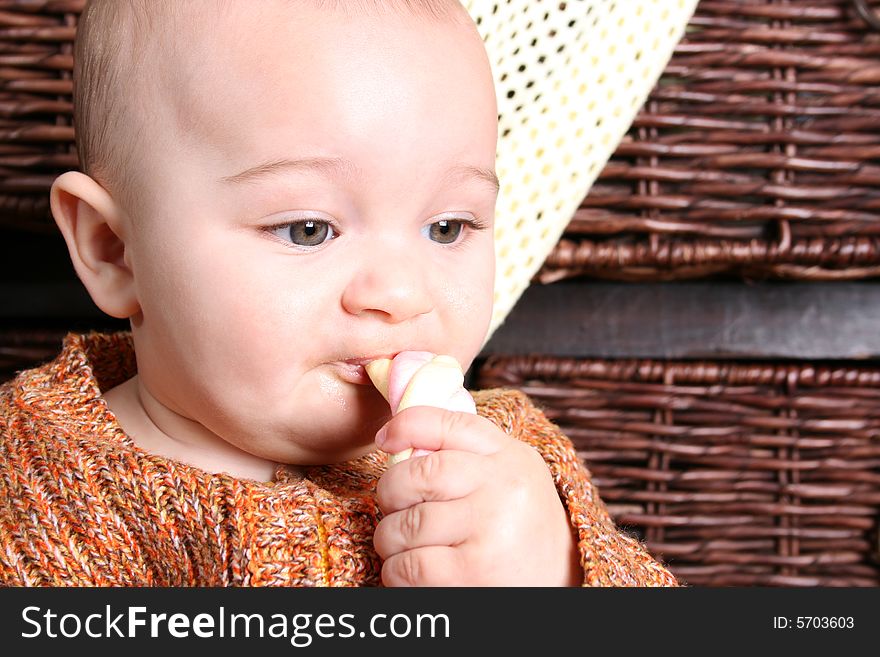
(116, 42)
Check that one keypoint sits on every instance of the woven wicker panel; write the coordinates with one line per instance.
(756, 154)
(36, 110)
(734, 474)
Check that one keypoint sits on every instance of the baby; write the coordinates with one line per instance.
(277, 194)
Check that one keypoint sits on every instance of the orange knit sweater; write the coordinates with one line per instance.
(81, 504)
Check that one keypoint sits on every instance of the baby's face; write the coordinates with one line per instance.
(322, 193)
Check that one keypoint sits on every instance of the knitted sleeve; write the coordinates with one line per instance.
(609, 557)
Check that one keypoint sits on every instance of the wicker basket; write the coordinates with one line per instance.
(756, 154)
(734, 474)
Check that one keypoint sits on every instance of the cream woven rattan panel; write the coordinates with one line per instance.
(570, 77)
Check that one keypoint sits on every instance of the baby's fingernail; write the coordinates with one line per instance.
(382, 436)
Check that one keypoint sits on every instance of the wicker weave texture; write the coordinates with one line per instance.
(756, 155)
(36, 108)
(735, 474)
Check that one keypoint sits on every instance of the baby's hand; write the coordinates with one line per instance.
(480, 509)
(420, 378)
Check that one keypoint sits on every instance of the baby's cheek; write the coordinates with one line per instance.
(331, 390)
(470, 292)
(466, 300)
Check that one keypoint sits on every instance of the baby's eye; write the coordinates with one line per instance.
(305, 233)
(444, 231)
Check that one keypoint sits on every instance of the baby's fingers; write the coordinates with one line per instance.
(438, 476)
(435, 565)
(429, 428)
(422, 525)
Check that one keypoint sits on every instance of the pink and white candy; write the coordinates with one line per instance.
(420, 378)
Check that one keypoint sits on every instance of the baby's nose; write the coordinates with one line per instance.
(394, 284)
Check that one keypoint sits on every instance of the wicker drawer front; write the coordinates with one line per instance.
(756, 154)
(735, 475)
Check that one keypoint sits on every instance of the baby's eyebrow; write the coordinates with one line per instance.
(478, 173)
(330, 166)
(326, 165)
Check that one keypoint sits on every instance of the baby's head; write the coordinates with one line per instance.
(275, 187)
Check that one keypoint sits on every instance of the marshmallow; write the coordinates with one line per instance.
(419, 378)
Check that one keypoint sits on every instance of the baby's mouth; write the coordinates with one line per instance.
(353, 370)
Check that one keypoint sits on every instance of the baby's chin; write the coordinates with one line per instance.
(320, 421)
(343, 457)
(313, 457)
(319, 443)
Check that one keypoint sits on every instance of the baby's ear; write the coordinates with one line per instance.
(93, 227)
